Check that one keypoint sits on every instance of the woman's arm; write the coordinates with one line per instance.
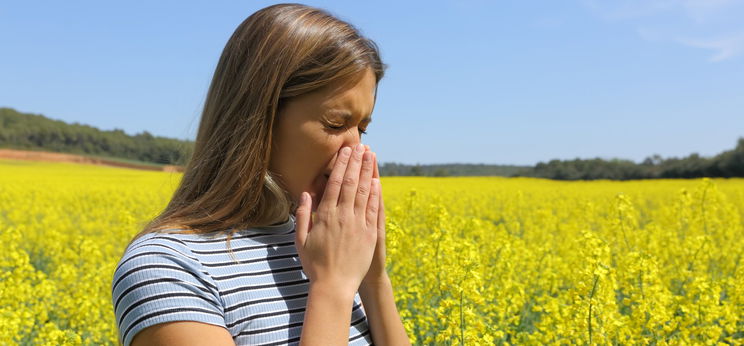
(382, 314)
(336, 254)
(183, 333)
(327, 321)
(376, 289)
(327, 317)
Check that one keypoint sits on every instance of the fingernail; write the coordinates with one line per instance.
(345, 151)
(303, 198)
(359, 148)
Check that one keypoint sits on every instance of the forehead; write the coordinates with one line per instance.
(350, 98)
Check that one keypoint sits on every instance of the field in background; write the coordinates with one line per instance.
(473, 260)
(46, 156)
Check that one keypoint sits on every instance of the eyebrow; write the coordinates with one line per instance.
(347, 115)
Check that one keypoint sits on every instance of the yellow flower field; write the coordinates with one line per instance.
(472, 260)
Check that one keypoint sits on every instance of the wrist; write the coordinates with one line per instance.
(370, 285)
(377, 280)
(332, 290)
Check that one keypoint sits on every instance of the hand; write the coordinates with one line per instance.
(337, 247)
(377, 273)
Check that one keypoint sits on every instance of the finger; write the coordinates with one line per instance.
(381, 211)
(335, 181)
(373, 206)
(351, 178)
(312, 217)
(376, 174)
(365, 184)
(302, 220)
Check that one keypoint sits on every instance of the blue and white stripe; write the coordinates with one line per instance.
(259, 296)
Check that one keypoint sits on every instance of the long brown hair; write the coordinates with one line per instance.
(277, 53)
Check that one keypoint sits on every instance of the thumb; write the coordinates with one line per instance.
(303, 219)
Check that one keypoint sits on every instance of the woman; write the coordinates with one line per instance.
(276, 233)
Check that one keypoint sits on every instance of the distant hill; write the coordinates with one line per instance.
(36, 132)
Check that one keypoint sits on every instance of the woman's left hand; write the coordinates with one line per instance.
(377, 273)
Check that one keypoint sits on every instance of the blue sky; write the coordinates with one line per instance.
(501, 82)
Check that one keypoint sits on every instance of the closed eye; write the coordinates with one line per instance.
(339, 127)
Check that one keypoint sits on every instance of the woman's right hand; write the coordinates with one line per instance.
(336, 247)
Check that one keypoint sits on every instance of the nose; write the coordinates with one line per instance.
(352, 138)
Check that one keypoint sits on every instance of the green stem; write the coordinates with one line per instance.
(591, 296)
(462, 322)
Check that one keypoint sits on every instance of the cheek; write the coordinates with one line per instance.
(319, 147)
(330, 151)
(307, 152)
(313, 152)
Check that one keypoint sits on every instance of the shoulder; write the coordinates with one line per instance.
(160, 279)
(156, 245)
(154, 254)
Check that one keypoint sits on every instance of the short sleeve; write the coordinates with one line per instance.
(157, 280)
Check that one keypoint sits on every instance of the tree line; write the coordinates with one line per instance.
(445, 170)
(727, 164)
(37, 132)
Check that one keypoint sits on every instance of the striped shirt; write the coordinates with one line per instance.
(260, 299)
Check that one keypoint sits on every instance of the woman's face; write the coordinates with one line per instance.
(310, 130)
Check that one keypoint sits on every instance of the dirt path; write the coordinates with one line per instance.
(59, 157)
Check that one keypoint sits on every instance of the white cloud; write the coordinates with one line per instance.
(725, 48)
(698, 10)
(628, 9)
(719, 21)
(706, 10)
